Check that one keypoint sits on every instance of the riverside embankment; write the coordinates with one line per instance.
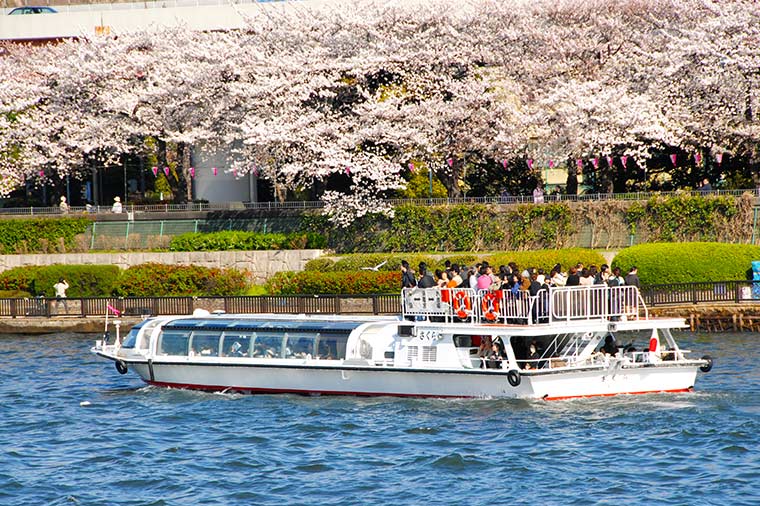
(704, 317)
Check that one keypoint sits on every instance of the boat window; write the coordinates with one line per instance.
(268, 345)
(236, 344)
(131, 339)
(466, 341)
(332, 347)
(173, 342)
(300, 346)
(205, 344)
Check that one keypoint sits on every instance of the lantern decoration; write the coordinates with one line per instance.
(155, 171)
(624, 159)
(697, 158)
(551, 164)
(595, 161)
(450, 161)
(530, 163)
(674, 159)
(215, 170)
(166, 171)
(192, 172)
(719, 158)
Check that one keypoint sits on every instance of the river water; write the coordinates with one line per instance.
(138, 445)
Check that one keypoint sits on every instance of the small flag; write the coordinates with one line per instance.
(113, 310)
(674, 159)
(155, 171)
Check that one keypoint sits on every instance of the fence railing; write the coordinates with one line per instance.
(130, 209)
(744, 292)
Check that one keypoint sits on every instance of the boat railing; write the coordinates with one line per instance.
(557, 304)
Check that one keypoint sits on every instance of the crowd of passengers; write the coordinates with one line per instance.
(510, 277)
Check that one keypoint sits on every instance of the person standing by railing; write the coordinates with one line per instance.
(632, 278)
(60, 295)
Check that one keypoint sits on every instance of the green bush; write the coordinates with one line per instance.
(546, 259)
(240, 240)
(311, 282)
(83, 280)
(688, 262)
(319, 265)
(160, 280)
(42, 235)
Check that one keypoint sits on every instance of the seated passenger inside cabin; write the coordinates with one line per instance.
(496, 355)
(236, 350)
(485, 347)
(533, 356)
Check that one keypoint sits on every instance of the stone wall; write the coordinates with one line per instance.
(261, 264)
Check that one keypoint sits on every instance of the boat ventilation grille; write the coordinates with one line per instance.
(429, 353)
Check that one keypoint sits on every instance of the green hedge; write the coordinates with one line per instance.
(688, 262)
(239, 240)
(42, 235)
(83, 280)
(152, 279)
(310, 282)
(145, 280)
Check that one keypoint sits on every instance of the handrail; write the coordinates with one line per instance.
(243, 206)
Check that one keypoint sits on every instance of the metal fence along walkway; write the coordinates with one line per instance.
(737, 292)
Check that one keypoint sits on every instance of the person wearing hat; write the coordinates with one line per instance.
(116, 205)
(63, 206)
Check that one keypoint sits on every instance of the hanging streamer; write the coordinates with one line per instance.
(697, 158)
(530, 163)
(610, 161)
(719, 158)
(348, 170)
(624, 159)
(411, 166)
(166, 171)
(674, 159)
(595, 161)
(450, 161)
(192, 173)
(504, 163)
(155, 171)
(579, 163)
(215, 170)
(551, 164)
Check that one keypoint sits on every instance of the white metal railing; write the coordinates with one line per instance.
(572, 303)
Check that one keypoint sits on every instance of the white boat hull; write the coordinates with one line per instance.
(377, 381)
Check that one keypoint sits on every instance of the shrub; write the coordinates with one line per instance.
(43, 235)
(240, 240)
(319, 264)
(162, 280)
(83, 280)
(311, 282)
(546, 259)
(688, 262)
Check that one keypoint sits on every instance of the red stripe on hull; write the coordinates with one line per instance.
(251, 390)
(567, 397)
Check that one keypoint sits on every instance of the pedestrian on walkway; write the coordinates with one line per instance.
(60, 295)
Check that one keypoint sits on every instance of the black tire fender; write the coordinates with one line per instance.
(121, 366)
(513, 376)
(708, 366)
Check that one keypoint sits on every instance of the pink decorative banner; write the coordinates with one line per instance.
(192, 172)
(155, 171)
(595, 161)
(610, 161)
(113, 309)
(256, 171)
(215, 170)
(674, 159)
(551, 164)
(234, 173)
(719, 158)
(348, 170)
(450, 161)
(624, 159)
(530, 163)
(42, 173)
(579, 163)
(697, 158)
(411, 166)
(166, 171)
(504, 163)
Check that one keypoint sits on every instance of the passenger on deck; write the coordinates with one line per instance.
(532, 356)
(407, 276)
(426, 280)
(610, 348)
(442, 278)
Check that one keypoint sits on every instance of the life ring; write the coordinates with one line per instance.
(121, 366)
(708, 366)
(513, 377)
(490, 306)
(461, 304)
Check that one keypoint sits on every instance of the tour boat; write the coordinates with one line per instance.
(562, 343)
